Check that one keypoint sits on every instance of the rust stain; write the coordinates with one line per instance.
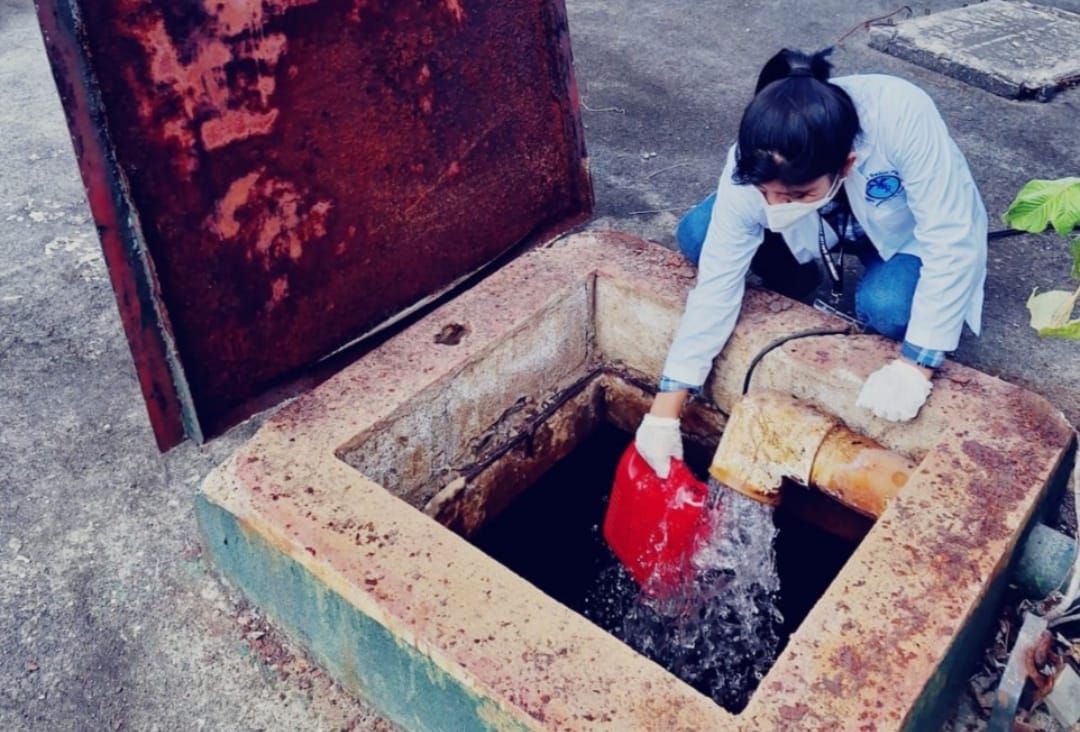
(216, 89)
(279, 289)
(239, 192)
(456, 10)
(232, 17)
(793, 712)
(274, 219)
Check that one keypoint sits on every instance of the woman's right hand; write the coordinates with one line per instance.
(658, 438)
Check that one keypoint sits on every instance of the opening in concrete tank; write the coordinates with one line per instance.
(551, 535)
(534, 492)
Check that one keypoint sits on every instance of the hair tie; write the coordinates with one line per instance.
(801, 71)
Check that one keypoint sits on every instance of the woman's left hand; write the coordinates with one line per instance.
(896, 391)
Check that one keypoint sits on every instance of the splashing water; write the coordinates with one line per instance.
(720, 630)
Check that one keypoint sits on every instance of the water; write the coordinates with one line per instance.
(720, 631)
(723, 627)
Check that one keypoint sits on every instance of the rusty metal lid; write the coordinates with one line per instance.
(273, 179)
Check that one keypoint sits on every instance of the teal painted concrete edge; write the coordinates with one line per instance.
(354, 649)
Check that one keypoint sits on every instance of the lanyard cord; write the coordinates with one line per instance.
(835, 268)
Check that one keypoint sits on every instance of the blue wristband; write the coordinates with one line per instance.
(929, 357)
(667, 384)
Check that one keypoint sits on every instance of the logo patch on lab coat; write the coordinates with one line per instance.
(883, 186)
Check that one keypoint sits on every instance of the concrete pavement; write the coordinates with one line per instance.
(108, 617)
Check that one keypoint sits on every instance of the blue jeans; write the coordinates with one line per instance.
(882, 297)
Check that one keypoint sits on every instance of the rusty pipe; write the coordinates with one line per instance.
(771, 436)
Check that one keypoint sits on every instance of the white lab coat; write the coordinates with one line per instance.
(912, 192)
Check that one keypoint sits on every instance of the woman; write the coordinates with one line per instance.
(862, 164)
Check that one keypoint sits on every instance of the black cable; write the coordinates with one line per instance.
(781, 341)
(1002, 233)
(999, 234)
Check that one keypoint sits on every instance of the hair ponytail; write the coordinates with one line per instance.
(798, 126)
(790, 63)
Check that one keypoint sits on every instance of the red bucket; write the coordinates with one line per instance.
(654, 525)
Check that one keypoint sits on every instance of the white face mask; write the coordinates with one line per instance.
(782, 216)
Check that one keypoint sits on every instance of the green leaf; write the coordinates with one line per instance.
(1070, 330)
(1041, 203)
(1045, 307)
(1050, 311)
(1076, 258)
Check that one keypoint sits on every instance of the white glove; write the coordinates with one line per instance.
(895, 392)
(658, 440)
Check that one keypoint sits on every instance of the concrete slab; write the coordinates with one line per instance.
(309, 520)
(1013, 49)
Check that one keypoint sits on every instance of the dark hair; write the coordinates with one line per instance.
(798, 127)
